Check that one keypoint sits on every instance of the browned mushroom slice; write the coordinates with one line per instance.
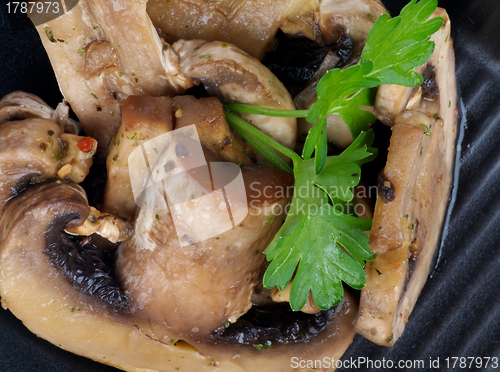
(213, 130)
(352, 17)
(101, 53)
(412, 201)
(145, 118)
(396, 186)
(232, 75)
(395, 278)
(251, 25)
(302, 21)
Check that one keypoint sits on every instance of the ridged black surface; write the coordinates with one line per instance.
(458, 312)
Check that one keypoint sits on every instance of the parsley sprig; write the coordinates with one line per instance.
(321, 244)
(319, 239)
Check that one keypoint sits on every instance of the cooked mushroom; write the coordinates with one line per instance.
(250, 25)
(20, 105)
(107, 53)
(35, 150)
(213, 130)
(412, 200)
(201, 256)
(114, 229)
(145, 118)
(284, 296)
(61, 291)
(353, 17)
(234, 76)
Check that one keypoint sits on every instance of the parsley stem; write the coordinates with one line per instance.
(262, 142)
(245, 108)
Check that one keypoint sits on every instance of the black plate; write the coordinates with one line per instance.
(458, 311)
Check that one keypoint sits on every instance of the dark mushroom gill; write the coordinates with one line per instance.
(275, 324)
(296, 59)
(84, 265)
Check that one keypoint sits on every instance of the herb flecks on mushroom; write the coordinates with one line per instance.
(406, 230)
(109, 53)
(145, 118)
(63, 291)
(35, 149)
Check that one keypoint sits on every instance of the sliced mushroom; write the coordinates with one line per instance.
(145, 118)
(101, 53)
(251, 25)
(35, 150)
(60, 291)
(353, 17)
(234, 76)
(396, 187)
(20, 105)
(189, 266)
(213, 130)
(199, 289)
(412, 200)
(303, 21)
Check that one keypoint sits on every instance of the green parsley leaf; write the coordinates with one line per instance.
(338, 85)
(308, 242)
(353, 112)
(397, 45)
(318, 242)
(311, 243)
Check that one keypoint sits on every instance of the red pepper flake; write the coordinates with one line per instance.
(85, 144)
